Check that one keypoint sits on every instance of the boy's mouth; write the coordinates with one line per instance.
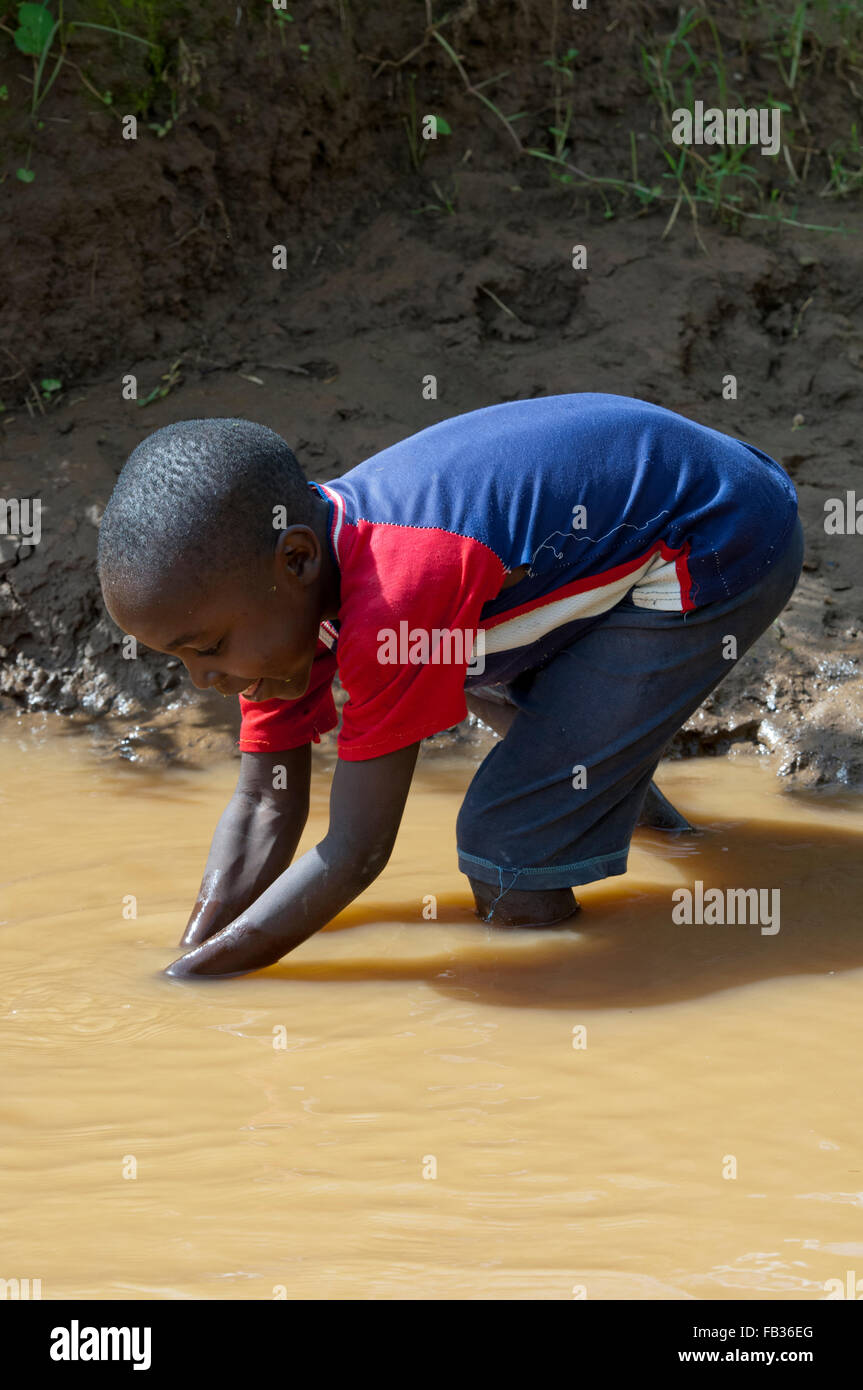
(272, 688)
(267, 688)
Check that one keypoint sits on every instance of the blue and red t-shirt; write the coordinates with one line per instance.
(599, 496)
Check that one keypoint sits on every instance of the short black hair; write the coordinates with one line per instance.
(200, 493)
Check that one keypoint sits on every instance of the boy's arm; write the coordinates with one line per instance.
(255, 840)
(366, 806)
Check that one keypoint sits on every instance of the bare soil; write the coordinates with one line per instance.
(155, 258)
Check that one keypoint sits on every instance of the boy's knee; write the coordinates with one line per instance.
(544, 907)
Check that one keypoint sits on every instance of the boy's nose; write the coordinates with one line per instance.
(201, 679)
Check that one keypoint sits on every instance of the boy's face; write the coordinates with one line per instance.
(255, 635)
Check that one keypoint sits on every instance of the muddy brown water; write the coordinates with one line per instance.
(423, 1108)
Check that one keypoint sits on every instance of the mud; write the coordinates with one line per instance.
(162, 267)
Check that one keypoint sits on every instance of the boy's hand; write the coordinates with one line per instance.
(255, 840)
(366, 805)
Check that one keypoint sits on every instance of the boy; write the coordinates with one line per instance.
(586, 567)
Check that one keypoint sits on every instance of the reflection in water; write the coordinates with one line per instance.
(410, 1108)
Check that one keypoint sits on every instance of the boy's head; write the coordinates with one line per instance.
(213, 548)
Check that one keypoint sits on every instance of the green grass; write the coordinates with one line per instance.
(798, 38)
(145, 19)
(49, 35)
(707, 52)
(845, 158)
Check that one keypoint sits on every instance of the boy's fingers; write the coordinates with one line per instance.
(191, 965)
(239, 949)
(208, 916)
(198, 930)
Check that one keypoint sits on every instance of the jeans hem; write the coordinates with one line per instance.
(557, 876)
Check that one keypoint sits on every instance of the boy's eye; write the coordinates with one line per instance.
(212, 650)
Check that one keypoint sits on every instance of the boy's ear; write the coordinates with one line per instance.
(298, 549)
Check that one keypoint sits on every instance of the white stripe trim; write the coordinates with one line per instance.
(527, 628)
(339, 504)
(662, 590)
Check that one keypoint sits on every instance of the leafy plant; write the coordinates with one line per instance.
(36, 34)
(563, 65)
(162, 127)
(35, 29)
(844, 180)
(791, 44)
(171, 378)
(560, 134)
(445, 203)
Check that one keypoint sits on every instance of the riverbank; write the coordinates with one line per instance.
(453, 260)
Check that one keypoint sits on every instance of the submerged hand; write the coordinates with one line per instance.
(256, 837)
(366, 804)
(207, 917)
(241, 946)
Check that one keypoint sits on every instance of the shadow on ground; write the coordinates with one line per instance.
(624, 951)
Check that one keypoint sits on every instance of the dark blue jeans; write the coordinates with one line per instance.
(555, 802)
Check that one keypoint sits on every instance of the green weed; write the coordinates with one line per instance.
(37, 34)
(171, 378)
(445, 203)
(416, 145)
(410, 124)
(844, 180)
